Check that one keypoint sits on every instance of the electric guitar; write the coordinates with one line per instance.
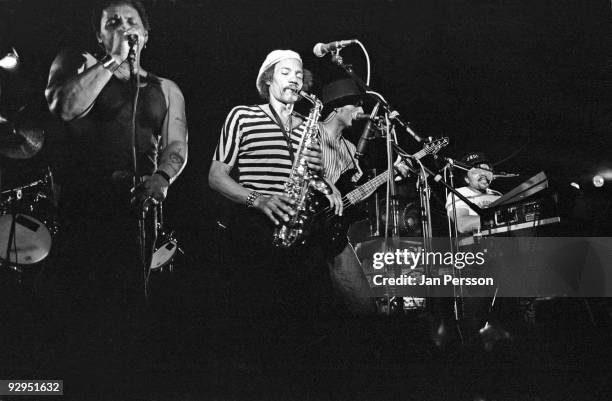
(330, 229)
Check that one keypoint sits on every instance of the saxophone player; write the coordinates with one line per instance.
(260, 142)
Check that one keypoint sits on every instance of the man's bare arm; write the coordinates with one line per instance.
(276, 207)
(174, 132)
(72, 89)
(219, 180)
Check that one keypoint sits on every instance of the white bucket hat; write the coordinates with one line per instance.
(274, 57)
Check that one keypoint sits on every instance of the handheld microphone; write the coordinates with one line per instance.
(365, 136)
(132, 39)
(321, 49)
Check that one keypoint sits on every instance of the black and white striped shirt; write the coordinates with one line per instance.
(251, 140)
(338, 156)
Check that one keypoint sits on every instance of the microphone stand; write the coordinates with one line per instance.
(423, 185)
(142, 210)
(12, 239)
(453, 235)
(391, 206)
(391, 116)
(424, 191)
(424, 196)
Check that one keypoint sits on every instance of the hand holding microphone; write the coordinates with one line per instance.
(124, 45)
(132, 39)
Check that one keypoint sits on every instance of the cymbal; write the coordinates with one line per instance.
(20, 143)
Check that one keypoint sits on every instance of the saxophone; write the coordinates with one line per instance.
(302, 182)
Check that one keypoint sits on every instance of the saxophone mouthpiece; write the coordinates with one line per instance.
(311, 98)
(306, 95)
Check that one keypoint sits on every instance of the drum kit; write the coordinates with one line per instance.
(28, 217)
(28, 213)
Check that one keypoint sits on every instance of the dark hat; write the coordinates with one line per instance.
(475, 158)
(341, 92)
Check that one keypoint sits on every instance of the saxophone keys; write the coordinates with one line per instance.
(320, 185)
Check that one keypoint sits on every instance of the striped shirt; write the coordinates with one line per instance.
(338, 156)
(253, 141)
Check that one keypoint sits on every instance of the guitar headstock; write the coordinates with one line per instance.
(434, 146)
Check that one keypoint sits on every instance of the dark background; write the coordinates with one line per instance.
(526, 81)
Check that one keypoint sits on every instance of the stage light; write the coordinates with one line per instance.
(575, 185)
(606, 174)
(10, 61)
(598, 181)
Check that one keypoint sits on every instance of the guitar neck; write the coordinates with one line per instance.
(365, 190)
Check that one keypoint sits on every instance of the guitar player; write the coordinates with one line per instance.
(342, 100)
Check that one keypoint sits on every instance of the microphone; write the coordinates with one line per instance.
(502, 174)
(363, 116)
(453, 162)
(132, 39)
(365, 136)
(468, 167)
(395, 116)
(321, 49)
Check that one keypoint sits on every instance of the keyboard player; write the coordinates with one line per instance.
(477, 190)
(480, 318)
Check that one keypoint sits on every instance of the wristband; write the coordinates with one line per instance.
(163, 174)
(250, 200)
(109, 63)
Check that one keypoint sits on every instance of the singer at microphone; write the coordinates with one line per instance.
(93, 95)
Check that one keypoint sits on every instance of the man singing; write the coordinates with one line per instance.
(94, 95)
